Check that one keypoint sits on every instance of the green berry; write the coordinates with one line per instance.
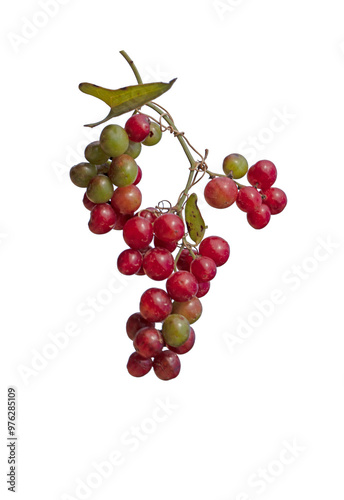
(94, 154)
(82, 173)
(134, 149)
(114, 140)
(100, 189)
(175, 330)
(104, 168)
(123, 171)
(154, 135)
(236, 164)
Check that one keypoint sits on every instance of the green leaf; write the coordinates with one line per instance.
(125, 99)
(194, 220)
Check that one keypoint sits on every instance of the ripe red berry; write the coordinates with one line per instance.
(166, 365)
(170, 246)
(121, 219)
(259, 218)
(169, 228)
(129, 262)
(262, 175)
(275, 199)
(147, 213)
(126, 200)
(158, 264)
(203, 268)
(148, 342)
(220, 192)
(135, 323)
(138, 233)
(182, 286)
(249, 199)
(155, 305)
(102, 219)
(216, 248)
(203, 289)
(88, 203)
(191, 309)
(137, 127)
(185, 259)
(138, 177)
(138, 366)
(187, 346)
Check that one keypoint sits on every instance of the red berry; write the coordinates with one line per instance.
(185, 259)
(182, 286)
(220, 192)
(262, 175)
(102, 219)
(248, 199)
(121, 220)
(216, 248)
(147, 213)
(139, 366)
(203, 289)
(126, 200)
(259, 218)
(275, 199)
(166, 365)
(135, 323)
(129, 262)
(137, 127)
(155, 305)
(88, 203)
(169, 228)
(187, 346)
(138, 233)
(191, 309)
(203, 268)
(170, 246)
(148, 342)
(138, 177)
(158, 264)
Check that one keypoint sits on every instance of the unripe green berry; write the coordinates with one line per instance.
(175, 330)
(236, 164)
(114, 140)
(100, 189)
(94, 153)
(134, 149)
(123, 170)
(154, 135)
(82, 173)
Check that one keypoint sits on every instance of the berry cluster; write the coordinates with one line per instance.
(259, 201)
(158, 238)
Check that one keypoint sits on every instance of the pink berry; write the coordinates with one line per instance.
(155, 305)
(138, 366)
(182, 286)
(148, 342)
(158, 264)
(88, 203)
(249, 199)
(170, 246)
(135, 323)
(166, 365)
(137, 127)
(203, 289)
(169, 228)
(185, 259)
(129, 262)
(102, 219)
(138, 233)
(259, 218)
(138, 177)
(262, 175)
(203, 268)
(221, 192)
(187, 346)
(275, 199)
(216, 248)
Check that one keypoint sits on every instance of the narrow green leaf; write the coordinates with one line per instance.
(194, 220)
(127, 98)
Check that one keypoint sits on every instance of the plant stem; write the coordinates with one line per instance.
(213, 174)
(132, 65)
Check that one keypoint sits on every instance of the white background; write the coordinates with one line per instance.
(239, 403)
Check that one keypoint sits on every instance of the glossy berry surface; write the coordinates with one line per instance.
(155, 305)
(275, 199)
(82, 174)
(126, 200)
(129, 262)
(220, 192)
(262, 175)
(138, 366)
(248, 199)
(135, 323)
(182, 286)
(147, 213)
(99, 189)
(138, 177)
(203, 289)
(148, 342)
(121, 220)
(158, 264)
(185, 259)
(134, 149)
(187, 346)
(170, 246)
(154, 135)
(191, 309)
(102, 219)
(203, 268)
(169, 228)
(259, 218)
(166, 365)
(94, 154)
(137, 127)
(175, 330)
(138, 233)
(123, 171)
(88, 203)
(236, 165)
(114, 140)
(216, 248)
